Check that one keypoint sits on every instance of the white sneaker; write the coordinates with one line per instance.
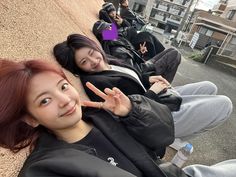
(178, 143)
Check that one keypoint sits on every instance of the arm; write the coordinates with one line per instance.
(148, 121)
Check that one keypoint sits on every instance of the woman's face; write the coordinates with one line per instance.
(53, 102)
(125, 3)
(90, 60)
(112, 14)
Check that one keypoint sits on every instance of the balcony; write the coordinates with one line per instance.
(178, 2)
(159, 18)
(173, 22)
(162, 8)
(174, 11)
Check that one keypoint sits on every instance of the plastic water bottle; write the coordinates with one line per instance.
(182, 155)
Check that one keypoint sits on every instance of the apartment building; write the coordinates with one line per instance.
(219, 8)
(165, 14)
(217, 29)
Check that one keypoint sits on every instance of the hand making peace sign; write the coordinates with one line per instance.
(114, 100)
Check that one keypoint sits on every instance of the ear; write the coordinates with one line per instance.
(30, 120)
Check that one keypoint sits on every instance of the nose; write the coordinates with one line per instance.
(63, 99)
(93, 61)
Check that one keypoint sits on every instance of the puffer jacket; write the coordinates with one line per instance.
(134, 135)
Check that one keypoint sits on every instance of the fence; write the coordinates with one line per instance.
(228, 47)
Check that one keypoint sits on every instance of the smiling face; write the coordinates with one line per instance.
(90, 60)
(53, 102)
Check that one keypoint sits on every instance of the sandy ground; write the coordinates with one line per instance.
(29, 29)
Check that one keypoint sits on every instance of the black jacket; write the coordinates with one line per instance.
(154, 46)
(131, 17)
(109, 79)
(147, 121)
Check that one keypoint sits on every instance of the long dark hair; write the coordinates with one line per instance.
(15, 134)
(65, 52)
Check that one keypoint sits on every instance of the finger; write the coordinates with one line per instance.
(93, 104)
(164, 80)
(108, 91)
(96, 90)
(144, 43)
(117, 91)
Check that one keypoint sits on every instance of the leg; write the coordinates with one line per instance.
(167, 64)
(198, 88)
(200, 113)
(222, 169)
(158, 56)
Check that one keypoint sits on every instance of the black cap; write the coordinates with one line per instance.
(108, 7)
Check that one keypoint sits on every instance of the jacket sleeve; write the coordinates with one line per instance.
(125, 23)
(149, 122)
(101, 82)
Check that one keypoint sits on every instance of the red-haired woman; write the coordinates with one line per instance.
(39, 107)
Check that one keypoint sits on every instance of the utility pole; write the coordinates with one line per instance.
(183, 19)
(148, 9)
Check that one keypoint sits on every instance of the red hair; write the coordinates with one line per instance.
(15, 134)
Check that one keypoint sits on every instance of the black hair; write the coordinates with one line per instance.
(65, 52)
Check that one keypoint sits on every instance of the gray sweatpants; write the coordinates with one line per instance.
(223, 169)
(201, 109)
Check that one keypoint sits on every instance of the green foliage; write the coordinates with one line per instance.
(197, 57)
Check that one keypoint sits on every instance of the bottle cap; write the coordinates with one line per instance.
(189, 147)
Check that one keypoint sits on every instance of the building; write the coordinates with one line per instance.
(217, 27)
(165, 14)
(219, 8)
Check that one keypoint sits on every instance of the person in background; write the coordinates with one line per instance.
(142, 41)
(108, 13)
(130, 16)
(201, 109)
(114, 2)
(165, 63)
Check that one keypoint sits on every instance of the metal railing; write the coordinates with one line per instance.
(228, 47)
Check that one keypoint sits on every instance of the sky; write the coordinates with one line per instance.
(206, 4)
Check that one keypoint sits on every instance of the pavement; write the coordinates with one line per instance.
(220, 143)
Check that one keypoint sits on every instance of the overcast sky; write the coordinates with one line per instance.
(206, 4)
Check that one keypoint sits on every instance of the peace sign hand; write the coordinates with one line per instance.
(114, 100)
(143, 48)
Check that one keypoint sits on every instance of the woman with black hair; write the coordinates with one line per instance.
(201, 109)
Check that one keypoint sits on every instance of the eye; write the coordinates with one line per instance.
(45, 101)
(83, 62)
(64, 86)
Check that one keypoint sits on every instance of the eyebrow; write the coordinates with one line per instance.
(47, 92)
(90, 51)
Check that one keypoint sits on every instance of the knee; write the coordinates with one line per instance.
(226, 104)
(211, 87)
(175, 56)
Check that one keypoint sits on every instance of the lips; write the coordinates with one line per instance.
(96, 66)
(69, 111)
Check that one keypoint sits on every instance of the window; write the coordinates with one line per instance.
(231, 14)
(205, 31)
(202, 30)
(233, 40)
(209, 33)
